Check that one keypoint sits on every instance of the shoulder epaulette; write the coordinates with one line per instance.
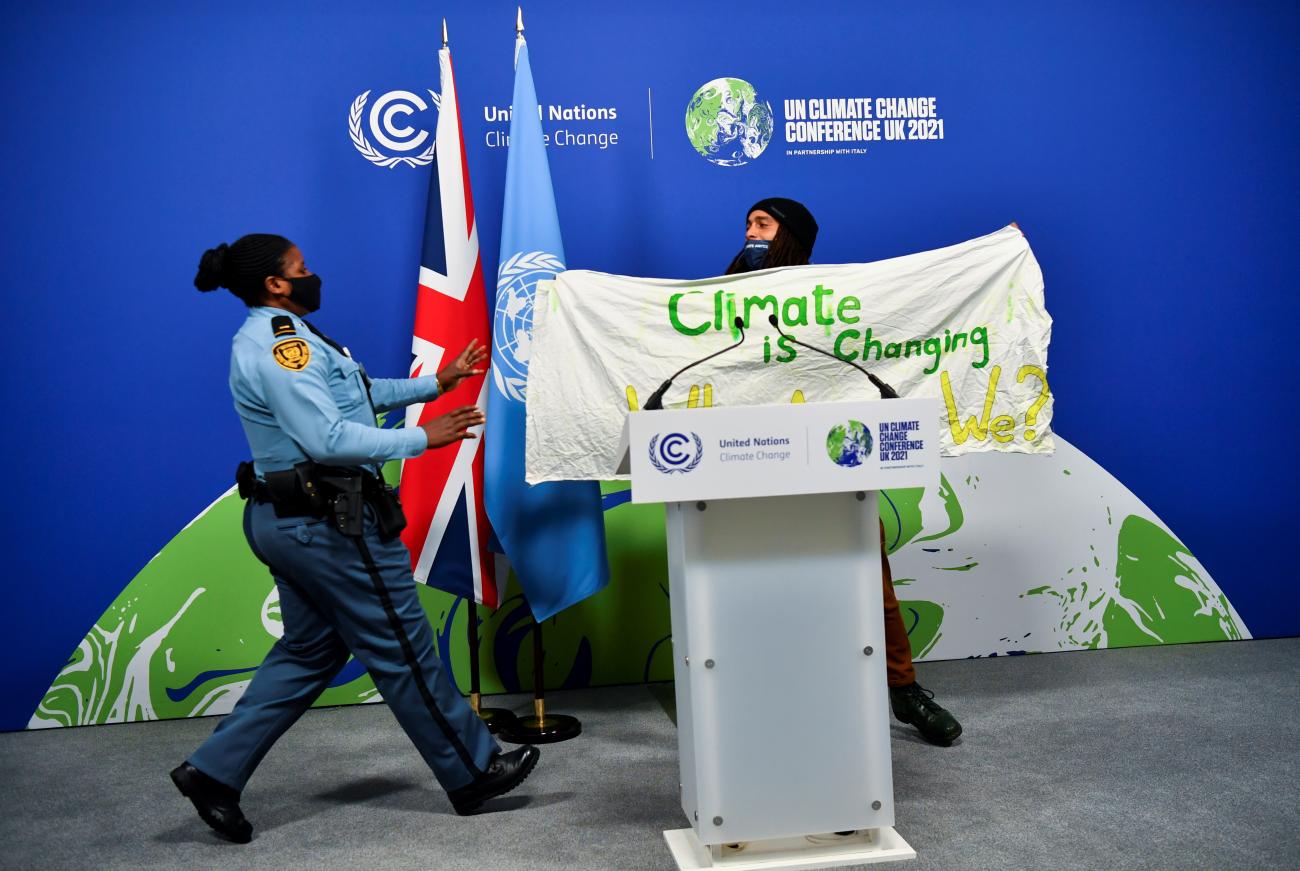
(282, 325)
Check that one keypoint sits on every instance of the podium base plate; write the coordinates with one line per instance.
(813, 851)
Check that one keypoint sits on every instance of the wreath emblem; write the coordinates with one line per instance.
(512, 324)
(667, 456)
(374, 155)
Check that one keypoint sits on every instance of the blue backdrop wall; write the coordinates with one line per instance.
(1147, 149)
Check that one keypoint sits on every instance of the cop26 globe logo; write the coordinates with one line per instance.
(676, 452)
(512, 327)
(849, 444)
(387, 124)
(727, 123)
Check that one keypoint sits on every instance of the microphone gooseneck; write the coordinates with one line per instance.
(886, 392)
(656, 400)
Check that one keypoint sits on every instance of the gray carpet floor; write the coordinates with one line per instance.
(1174, 757)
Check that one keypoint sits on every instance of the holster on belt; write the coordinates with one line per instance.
(339, 493)
(347, 504)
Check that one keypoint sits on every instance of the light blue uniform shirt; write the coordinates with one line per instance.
(299, 398)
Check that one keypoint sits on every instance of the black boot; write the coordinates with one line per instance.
(915, 704)
(217, 804)
(504, 773)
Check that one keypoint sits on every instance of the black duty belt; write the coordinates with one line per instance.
(310, 489)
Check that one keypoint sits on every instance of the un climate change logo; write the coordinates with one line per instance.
(512, 327)
(676, 452)
(727, 123)
(849, 443)
(387, 113)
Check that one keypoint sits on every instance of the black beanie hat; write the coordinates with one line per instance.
(794, 216)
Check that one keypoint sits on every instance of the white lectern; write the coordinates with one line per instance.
(778, 634)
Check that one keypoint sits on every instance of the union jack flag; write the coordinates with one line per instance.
(447, 529)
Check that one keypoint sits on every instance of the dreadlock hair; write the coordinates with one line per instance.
(786, 250)
(244, 266)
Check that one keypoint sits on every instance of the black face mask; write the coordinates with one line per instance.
(755, 252)
(305, 291)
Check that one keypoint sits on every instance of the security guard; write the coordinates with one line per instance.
(321, 518)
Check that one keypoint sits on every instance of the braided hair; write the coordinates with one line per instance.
(786, 250)
(244, 266)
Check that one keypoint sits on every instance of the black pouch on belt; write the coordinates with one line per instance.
(388, 510)
(246, 478)
(308, 483)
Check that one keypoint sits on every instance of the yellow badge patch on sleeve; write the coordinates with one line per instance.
(292, 354)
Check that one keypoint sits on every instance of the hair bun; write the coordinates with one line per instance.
(212, 269)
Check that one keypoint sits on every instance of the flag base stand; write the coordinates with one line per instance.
(495, 719)
(541, 727)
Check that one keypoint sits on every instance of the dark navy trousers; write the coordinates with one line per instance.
(336, 597)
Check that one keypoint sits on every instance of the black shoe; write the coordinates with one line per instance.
(504, 773)
(915, 704)
(216, 803)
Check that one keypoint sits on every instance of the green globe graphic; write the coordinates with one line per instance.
(849, 444)
(727, 123)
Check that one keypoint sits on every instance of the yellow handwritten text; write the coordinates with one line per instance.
(1003, 427)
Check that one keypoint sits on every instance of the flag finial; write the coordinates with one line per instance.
(519, 21)
(444, 33)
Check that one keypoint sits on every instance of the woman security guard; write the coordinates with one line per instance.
(781, 232)
(321, 518)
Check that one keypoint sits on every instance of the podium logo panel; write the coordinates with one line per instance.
(849, 444)
(676, 452)
(782, 450)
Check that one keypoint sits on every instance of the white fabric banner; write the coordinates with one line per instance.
(966, 324)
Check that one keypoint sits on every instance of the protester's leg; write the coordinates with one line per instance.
(898, 648)
(911, 702)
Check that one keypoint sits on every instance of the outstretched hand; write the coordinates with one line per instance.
(466, 365)
(452, 427)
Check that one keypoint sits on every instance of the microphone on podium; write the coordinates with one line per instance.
(886, 392)
(656, 400)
